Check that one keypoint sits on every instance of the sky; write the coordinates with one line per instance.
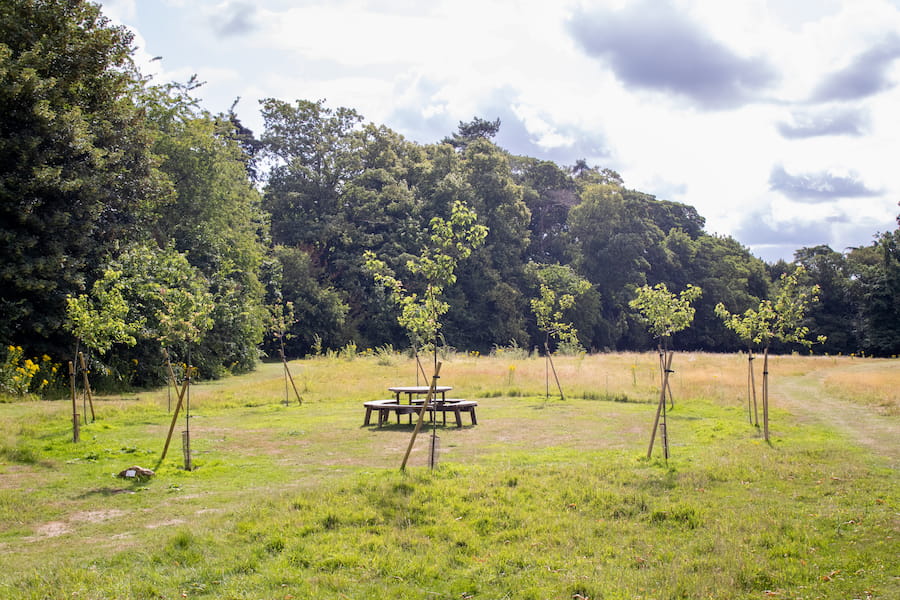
(779, 120)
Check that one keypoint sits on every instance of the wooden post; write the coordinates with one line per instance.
(74, 405)
(765, 394)
(428, 399)
(751, 376)
(87, 386)
(669, 389)
(555, 376)
(186, 450)
(661, 406)
(547, 371)
(663, 377)
(289, 377)
(171, 379)
(419, 368)
(181, 394)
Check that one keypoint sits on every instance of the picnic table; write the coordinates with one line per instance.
(418, 390)
(457, 406)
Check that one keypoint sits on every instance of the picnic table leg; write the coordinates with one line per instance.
(368, 414)
(458, 417)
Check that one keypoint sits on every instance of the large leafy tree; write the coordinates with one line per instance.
(100, 319)
(75, 170)
(489, 302)
(549, 194)
(834, 315)
(319, 311)
(215, 220)
(476, 129)
(172, 302)
(614, 246)
(725, 270)
(876, 287)
(314, 152)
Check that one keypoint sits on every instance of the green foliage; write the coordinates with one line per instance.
(74, 159)
(100, 320)
(95, 162)
(166, 294)
(662, 311)
(451, 241)
(560, 288)
(215, 219)
(475, 129)
(875, 288)
(781, 319)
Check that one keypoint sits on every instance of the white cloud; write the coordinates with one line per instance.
(423, 67)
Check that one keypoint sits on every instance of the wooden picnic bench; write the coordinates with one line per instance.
(384, 408)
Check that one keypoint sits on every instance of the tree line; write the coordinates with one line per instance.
(131, 214)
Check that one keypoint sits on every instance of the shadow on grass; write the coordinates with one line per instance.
(107, 492)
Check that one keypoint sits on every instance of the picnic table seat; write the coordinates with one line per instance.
(457, 406)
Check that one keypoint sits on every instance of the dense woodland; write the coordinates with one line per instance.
(133, 219)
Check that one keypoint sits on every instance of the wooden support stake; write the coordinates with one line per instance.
(290, 377)
(669, 389)
(661, 406)
(420, 367)
(751, 392)
(663, 378)
(87, 386)
(555, 376)
(765, 394)
(181, 394)
(422, 410)
(74, 405)
(546, 373)
(170, 380)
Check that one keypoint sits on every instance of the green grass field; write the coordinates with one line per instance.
(544, 498)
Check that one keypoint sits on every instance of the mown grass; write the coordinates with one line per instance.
(542, 499)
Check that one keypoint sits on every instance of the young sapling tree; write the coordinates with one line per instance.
(281, 318)
(781, 320)
(664, 314)
(184, 316)
(99, 320)
(560, 287)
(451, 241)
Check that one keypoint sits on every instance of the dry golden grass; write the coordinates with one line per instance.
(867, 385)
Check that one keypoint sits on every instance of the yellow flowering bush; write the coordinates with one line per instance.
(20, 376)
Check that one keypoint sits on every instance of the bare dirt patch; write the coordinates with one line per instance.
(51, 529)
(57, 528)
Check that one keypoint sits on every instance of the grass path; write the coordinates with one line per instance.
(809, 400)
